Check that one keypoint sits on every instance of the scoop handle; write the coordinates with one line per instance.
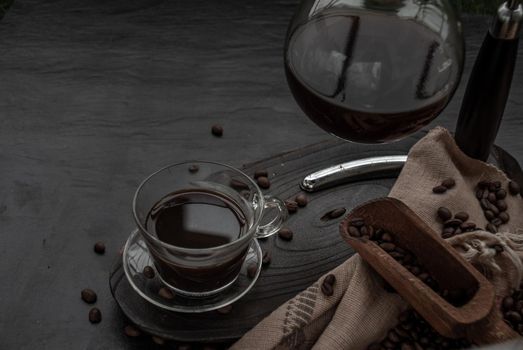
(492, 330)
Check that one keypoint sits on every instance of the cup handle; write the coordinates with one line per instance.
(276, 222)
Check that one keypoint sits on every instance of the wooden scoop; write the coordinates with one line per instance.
(478, 320)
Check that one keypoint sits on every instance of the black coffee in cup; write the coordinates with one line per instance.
(197, 219)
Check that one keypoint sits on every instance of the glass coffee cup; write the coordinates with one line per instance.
(198, 220)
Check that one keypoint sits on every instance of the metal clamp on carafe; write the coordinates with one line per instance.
(489, 83)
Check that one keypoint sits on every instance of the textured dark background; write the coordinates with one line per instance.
(94, 96)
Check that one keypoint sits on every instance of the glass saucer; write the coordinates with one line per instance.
(136, 257)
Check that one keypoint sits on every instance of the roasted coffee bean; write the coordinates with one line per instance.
(497, 184)
(513, 316)
(462, 216)
(224, 310)
(238, 184)
(292, 206)
(496, 222)
(444, 214)
(258, 173)
(446, 235)
(492, 198)
(387, 237)
(449, 230)
(374, 346)
(423, 276)
(217, 130)
(453, 222)
(95, 315)
(492, 187)
(479, 193)
(448, 183)
(396, 255)
(498, 248)
(266, 258)
(252, 269)
(148, 272)
(263, 182)
(89, 296)
(493, 209)
(407, 346)
(285, 234)
(364, 231)
(301, 199)
(354, 232)
(504, 217)
(327, 289)
(491, 228)
(330, 279)
(99, 248)
(501, 194)
(501, 205)
(336, 213)
(468, 226)
(194, 168)
(165, 293)
(388, 247)
(357, 222)
(458, 231)
(489, 215)
(484, 204)
(132, 331)
(514, 188)
(439, 189)
(157, 340)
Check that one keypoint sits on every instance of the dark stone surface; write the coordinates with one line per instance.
(94, 96)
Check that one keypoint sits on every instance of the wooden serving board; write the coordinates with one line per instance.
(316, 248)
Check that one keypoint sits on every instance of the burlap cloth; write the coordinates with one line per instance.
(361, 311)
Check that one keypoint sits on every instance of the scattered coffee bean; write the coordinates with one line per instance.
(157, 340)
(217, 130)
(492, 197)
(148, 272)
(285, 234)
(194, 168)
(252, 269)
(498, 248)
(301, 199)
(489, 215)
(448, 183)
(468, 226)
(238, 184)
(292, 206)
(439, 189)
(225, 309)
(491, 228)
(166, 293)
(132, 331)
(462, 216)
(501, 194)
(508, 303)
(514, 188)
(501, 205)
(496, 222)
(504, 217)
(453, 222)
(260, 173)
(99, 248)
(354, 232)
(89, 296)
(327, 286)
(357, 222)
(95, 315)
(263, 182)
(334, 214)
(266, 259)
(444, 214)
